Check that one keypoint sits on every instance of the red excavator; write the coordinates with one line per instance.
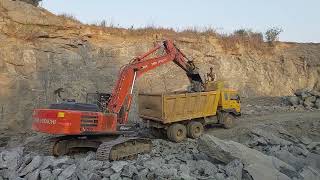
(102, 125)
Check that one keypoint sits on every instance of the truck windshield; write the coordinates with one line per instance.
(234, 97)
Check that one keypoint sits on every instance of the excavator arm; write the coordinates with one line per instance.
(121, 97)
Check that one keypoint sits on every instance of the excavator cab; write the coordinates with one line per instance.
(99, 99)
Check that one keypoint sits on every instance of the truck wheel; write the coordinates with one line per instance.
(228, 121)
(194, 129)
(177, 132)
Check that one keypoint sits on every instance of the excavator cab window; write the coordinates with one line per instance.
(100, 99)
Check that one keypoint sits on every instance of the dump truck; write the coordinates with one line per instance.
(181, 115)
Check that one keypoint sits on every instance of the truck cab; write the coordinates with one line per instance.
(230, 101)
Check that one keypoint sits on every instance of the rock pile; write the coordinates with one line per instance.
(303, 154)
(270, 152)
(307, 98)
(167, 161)
(270, 156)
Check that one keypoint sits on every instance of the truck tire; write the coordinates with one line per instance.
(194, 129)
(227, 120)
(177, 132)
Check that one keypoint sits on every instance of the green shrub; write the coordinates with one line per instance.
(272, 34)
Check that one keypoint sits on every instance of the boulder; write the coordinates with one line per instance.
(184, 170)
(60, 161)
(106, 165)
(93, 176)
(154, 163)
(309, 101)
(68, 172)
(313, 160)
(34, 175)
(309, 173)
(270, 137)
(90, 156)
(142, 175)
(115, 176)
(82, 174)
(11, 159)
(299, 92)
(56, 172)
(286, 156)
(8, 174)
(234, 169)
(47, 161)
(166, 172)
(317, 103)
(315, 93)
(206, 168)
(313, 145)
(257, 164)
(305, 140)
(34, 164)
(129, 171)
(118, 165)
(107, 172)
(26, 160)
(301, 102)
(294, 100)
(46, 174)
(299, 149)
(91, 165)
(305, 95)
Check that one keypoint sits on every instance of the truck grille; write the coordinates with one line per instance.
(89, 121)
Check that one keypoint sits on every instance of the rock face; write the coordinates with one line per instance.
(41, 52)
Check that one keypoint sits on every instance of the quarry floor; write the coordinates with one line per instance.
(277, 122)
(255, 111)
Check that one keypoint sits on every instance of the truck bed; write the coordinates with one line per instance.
(174, 107)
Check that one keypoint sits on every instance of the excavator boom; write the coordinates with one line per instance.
(121, 96)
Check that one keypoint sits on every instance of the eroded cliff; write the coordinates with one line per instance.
(41, 52)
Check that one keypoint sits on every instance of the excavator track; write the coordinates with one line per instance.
(123, 148)
(107, 148)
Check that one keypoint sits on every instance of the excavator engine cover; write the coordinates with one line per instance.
(73, 122)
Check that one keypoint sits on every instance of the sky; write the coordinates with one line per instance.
(299, 19)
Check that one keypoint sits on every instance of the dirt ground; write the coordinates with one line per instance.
(271, 110)
(296, 123)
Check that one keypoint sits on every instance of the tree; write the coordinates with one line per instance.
(33, 2)
(272, 34)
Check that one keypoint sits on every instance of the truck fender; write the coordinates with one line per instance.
(231, 111)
